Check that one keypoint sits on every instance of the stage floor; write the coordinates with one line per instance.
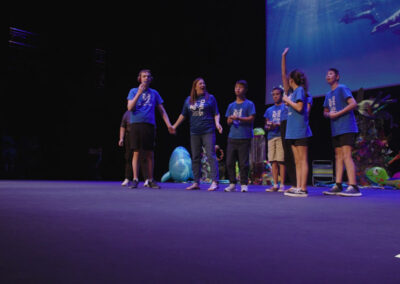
(98, 232)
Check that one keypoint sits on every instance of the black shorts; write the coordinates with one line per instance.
(298, 142)
(142, 136)
(346, 139)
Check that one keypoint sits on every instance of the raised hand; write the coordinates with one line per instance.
(285, 51)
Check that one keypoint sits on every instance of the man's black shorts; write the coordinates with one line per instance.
(343, 139)
(142, 136)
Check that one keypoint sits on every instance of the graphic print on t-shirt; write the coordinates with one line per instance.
(237, 112)
(198, 108)
(276, 116)
(332, 103)
(146, 99)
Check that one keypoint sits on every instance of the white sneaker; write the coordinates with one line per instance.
(296, 192)
(125, 182)
(281, 188)
(213, 186)
(244, 188)
(146, 183)
(230, 188)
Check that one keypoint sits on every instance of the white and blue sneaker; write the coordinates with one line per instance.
(352, 190)
(296, 192)
(244, 188)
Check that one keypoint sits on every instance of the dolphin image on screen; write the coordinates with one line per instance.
(351, 17)
(392, 24)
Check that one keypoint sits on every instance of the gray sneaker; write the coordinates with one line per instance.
(335, 190)
(352, 190)
(152, 184)
(134, 184)
(296, 192)
(230, 188)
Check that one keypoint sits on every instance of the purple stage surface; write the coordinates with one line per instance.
(99, 232)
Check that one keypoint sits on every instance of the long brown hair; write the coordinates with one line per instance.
(193, 93)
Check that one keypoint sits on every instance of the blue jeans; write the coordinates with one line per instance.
(197, 142)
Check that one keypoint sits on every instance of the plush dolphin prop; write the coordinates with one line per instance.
(180, 166)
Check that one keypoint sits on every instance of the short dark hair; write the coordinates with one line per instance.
(334, 70)
(243, 83)
(144, 71)
(277, 88)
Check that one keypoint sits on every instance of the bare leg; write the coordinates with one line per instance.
(149, 156)
(339, 164)
(302, 152)
(135, 165)
(282, 172)
(297, 164)
(349, 163)
(275, 173)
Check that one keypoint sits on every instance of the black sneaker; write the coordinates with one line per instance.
(134, 184)
(335, 190)
(152, 184)
(352, 190)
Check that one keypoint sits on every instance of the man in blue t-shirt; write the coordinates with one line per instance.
(240, 116)
(338, 106)
(273, 117)
(142, 102)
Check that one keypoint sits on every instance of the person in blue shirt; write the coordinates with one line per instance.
(202, 110)
(338, 107)
(142, 102)
(273, 116)
(298, 130)
(290, 162)
(240, 116)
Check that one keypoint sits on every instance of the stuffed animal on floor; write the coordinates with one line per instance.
(180, 166)
(378, 175)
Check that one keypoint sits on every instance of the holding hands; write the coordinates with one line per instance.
(219, 127)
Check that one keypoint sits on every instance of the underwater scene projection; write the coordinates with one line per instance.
(360, 38)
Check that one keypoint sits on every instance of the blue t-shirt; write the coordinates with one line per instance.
(143, 112)
(275, 114)
(309, 100)
(284, 113)
(201, 114)
(297, 124)
(240, 129)
(336, 100)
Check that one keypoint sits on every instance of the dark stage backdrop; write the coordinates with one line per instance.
(65, 97)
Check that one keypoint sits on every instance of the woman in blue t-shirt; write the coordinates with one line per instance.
(298, 130)
(202, 110)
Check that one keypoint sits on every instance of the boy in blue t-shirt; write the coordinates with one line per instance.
(273, 117)
(142, 102)
(240, 116)
(338, 106)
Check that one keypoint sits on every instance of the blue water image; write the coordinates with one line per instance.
(361, 38)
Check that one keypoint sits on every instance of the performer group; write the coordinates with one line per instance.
(286, 123)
